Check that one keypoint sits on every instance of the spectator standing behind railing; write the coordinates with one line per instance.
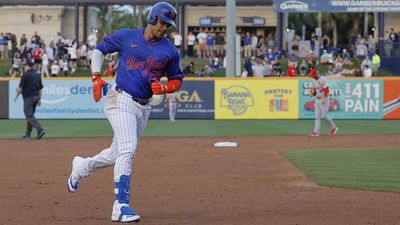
(55, 69)
(393, 38)
(190, 41)
(376, 63)
(247, 45)
(201, 40)
(23, 41)
(45, 64)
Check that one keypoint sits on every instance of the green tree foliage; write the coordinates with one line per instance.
(120, 19)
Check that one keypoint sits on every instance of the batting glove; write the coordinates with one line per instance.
(171, 86)
(98, 85)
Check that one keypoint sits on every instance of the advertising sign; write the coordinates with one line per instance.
(195, 101)
(336, 6)
(348, 99)
(391, 100)
(61, 99)
(256, 99)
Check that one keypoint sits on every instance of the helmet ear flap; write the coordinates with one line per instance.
(152, 20)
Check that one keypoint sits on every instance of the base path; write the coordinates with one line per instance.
(187, 181)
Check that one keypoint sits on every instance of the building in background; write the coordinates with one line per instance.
(46, 20)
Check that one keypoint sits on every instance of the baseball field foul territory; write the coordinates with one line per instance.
(145, 55)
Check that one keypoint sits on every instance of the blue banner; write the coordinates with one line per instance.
(307, 6)
(61, 99)
(195, 101)
(73, 99)
(348, 99)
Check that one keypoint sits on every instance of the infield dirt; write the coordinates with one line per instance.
(186, 181)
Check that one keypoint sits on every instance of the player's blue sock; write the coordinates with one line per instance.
(122, 194)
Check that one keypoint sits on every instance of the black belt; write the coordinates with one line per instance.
(138, 100)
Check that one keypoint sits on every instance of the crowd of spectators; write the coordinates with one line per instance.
(61, 57)
(262, 58)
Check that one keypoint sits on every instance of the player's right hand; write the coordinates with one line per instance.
(98, 84)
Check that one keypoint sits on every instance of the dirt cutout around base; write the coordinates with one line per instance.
(187, 181)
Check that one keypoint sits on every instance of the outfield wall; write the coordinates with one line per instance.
(233, 98)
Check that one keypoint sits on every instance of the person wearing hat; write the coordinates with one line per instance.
(31, 87)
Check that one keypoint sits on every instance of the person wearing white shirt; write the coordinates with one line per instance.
(55, 69)
(92, 40)
(258, 69)
(191, 39)
(45, 65)
(367, 72)
(82, 55)
(201, 39)
(177, 40)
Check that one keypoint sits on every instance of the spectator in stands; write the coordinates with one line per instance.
(358, 72)
(367, 72)
(325, 42)
(16, 69)
(310, 59)
(258, 69)
(35, 39)
(270, 56)
(365, 62)
(371, 43)
(45, 64)
(295, 45)
(303, 68)
(270, 41)
(361, 51)
(277, 68)
(92, 39)
(55, 69)
(201, 73)
(253, 43)
(82, 55)
(201, 40)
(219, 45)
(177, 40)
(324, 58)
(23, 41)
(313, 41)
(110, 72)
(189, 68)
(249, 67)
(346, 58)
(64, 63)
(267, 68)
(210, 43)
(37, 57)
(376, 63)
(291, 70)
(393, 38)
(247, 45)
(190, 41)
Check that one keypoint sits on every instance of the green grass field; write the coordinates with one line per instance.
(101, 128)
(364, 169)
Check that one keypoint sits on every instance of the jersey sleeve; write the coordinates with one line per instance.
(174, 70)
(112, 43)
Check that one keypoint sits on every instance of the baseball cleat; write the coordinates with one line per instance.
(40, 134)
(313, 134)
(333, 131)
(74, 178)
(123, 214)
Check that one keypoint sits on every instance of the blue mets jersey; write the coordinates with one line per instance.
(141, 62)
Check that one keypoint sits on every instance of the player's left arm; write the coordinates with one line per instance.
(175, 77)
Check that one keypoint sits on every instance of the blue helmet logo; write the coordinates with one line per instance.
(163, 11)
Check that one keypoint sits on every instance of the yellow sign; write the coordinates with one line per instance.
(256, 99)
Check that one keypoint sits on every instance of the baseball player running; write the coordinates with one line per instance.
(145, 56)
(320, 90)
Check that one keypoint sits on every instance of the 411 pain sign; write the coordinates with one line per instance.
(362, 97)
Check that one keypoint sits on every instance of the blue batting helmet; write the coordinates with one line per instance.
(163, 11)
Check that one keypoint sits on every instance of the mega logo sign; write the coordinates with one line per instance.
(195, 100)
